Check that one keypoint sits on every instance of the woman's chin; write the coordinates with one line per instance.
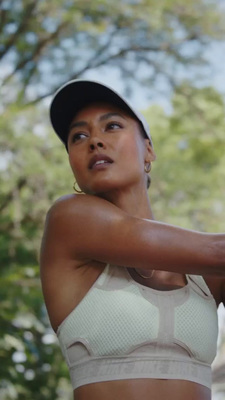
(101, 187)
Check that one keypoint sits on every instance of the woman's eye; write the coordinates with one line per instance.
(113, 125)
(78, 136)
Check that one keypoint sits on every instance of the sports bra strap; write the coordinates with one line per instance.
(103, 277)
(199, 285)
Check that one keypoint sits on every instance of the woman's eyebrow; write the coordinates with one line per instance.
(103, 117)
(77, 124)
(110, 115)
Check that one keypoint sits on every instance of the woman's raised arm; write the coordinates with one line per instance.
(88, 227)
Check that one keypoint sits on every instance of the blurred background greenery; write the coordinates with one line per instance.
(164, 55)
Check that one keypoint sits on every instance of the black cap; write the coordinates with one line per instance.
(75, 94)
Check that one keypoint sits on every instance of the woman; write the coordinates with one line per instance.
(125, 294)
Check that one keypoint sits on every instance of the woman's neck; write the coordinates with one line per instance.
(133, 202)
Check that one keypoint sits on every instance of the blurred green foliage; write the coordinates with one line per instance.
(145, 41)
(187, 189)
(188, 177)
(43, 46)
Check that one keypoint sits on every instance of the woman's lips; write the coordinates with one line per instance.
(99, 161)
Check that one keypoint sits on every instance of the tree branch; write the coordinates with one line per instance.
(37, 51)
(97, 61)
(21, 28)
(3, 18)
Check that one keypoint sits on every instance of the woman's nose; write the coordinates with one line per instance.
(96, 142)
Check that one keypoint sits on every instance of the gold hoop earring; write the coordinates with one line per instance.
(148, 167)
(75, 189)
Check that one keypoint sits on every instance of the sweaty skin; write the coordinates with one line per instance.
(113, 223)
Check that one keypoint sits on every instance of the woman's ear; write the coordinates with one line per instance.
(150, 154)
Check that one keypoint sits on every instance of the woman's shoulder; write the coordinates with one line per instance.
(78, 225)
(80, 207)
(76, 211)
(74, 202)
(65, 202)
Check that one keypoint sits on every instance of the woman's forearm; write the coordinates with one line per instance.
(167, 247)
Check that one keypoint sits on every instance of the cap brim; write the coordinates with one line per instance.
(74, 95)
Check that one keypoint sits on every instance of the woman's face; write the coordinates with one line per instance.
(106, 149)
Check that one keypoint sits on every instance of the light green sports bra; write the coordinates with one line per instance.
(124, 330)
